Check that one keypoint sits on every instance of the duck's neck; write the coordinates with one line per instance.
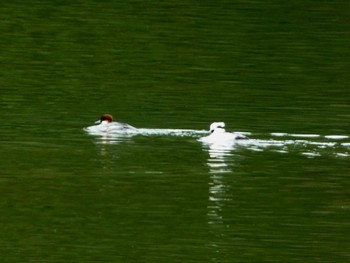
(104, 122)
(219, 130)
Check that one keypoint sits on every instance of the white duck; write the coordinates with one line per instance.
(218, 135)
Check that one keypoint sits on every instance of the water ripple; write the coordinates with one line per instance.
(309, 145)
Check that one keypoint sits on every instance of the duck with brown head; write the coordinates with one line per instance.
(105, 117)
(106, 125)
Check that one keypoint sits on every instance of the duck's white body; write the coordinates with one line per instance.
(219, 136)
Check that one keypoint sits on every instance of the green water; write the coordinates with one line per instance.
(262, 67)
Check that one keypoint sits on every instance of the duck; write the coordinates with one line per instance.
(106, 125)
(218, 135)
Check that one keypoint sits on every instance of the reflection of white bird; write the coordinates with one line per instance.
(106, 125)
(219, 136)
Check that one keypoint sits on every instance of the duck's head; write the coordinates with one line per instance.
(217, 127)
(105, 118)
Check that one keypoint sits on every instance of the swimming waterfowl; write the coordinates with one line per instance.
(218, 135)
(106, 125)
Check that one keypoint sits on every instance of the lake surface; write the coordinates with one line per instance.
(276, 71)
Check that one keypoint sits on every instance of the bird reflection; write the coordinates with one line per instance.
(107, 151)
(220, 166)
(115, 139)
(219, 156)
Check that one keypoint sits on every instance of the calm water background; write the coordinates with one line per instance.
(260, 66)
